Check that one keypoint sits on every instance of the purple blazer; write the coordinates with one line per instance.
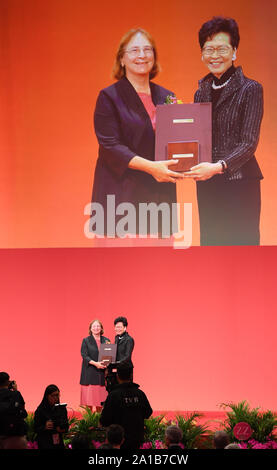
(124, 130)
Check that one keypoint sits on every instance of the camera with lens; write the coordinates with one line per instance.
(110, 376)
(12, 385)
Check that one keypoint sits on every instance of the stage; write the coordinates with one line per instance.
(203, 321)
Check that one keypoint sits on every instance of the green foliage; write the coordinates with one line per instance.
(154, 429)
(193, 433)
(88, 425)
(31, 434)
(262, 423)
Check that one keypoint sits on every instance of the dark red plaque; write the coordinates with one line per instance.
(183, 124)
(185, 152)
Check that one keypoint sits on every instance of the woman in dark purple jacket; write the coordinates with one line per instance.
(93, 391)
(125, 128)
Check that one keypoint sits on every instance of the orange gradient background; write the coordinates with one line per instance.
(57, 55)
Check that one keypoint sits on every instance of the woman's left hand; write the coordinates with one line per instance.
(203, 171)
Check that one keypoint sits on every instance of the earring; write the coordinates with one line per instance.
(234, 55)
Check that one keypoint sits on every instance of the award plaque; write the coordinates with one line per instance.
(107, 353)
(184, 133)
(185, 152)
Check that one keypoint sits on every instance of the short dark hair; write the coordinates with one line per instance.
(221, 439)
(124, 371)
(106, 445)
(174, 434)
(4, 379)
(80, 441)
(219, 24)
(115, 434)
(122, 320)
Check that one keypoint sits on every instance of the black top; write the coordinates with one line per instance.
(175, 447)
(50, 438)
(220, 81)
(12, 413)
(90, 375)
(128, 406)
(125, 346)
(236, 122)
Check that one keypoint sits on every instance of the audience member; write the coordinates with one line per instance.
(173, 437)
(233, 445)
(106, 445)
(221, 439)
(115, 436)
(80, 441)
(13, 427)
(128, 406)
(51, 420)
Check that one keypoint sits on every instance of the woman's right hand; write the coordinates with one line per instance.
(162, 173)
(158, 169)
(99, 365)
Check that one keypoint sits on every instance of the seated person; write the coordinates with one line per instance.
(80, 441)
(115, 436)
(173, 437)
(221, 439)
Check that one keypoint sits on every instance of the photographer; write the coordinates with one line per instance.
(51, 420)
(12, 414)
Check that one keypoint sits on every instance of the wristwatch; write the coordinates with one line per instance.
(223, 164)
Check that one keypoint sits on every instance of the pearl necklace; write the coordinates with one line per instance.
(216, 87)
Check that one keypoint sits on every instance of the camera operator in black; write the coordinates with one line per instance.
(51, 420)
(127, 406)
(13, 427)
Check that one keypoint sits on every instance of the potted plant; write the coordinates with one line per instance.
(194, 435)
(88, 425)
(262, 423)
(154, 428)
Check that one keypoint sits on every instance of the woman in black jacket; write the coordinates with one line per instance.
(228, 189)
(93, 391)
(51, 420)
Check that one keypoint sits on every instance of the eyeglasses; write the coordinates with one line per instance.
(135, 51)
(221, 50)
